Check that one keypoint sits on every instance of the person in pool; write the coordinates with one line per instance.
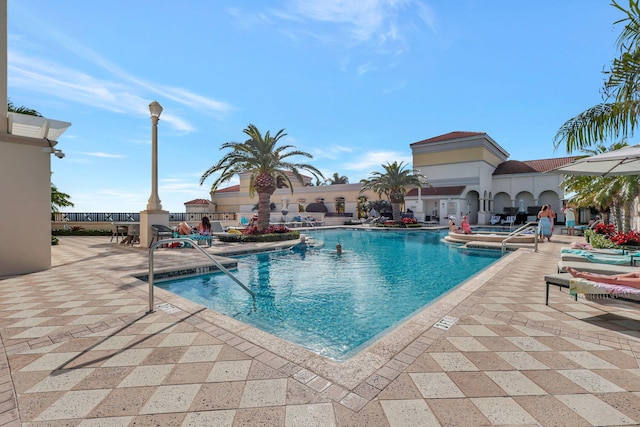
(339, 249)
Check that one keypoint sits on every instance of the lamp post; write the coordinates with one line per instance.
(154, 203)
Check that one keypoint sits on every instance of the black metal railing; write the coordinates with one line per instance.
(135, 216)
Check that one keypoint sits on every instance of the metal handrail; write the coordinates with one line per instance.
(528, 226)
(195, 245)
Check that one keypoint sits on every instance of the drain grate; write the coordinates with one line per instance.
(168, 308)
(446, 322)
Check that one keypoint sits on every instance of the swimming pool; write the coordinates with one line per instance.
(335, 304)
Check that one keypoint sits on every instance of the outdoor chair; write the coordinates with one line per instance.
(509, 220)
(161, 231)
(495, 219)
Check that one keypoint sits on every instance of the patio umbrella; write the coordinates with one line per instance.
(625, 161)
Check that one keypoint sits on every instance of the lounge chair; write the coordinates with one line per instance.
(594, 267)
(161, 231)
(217, 229)
(495, 219)
(591, 290)
(244, 222)
(595, 290)
(595, 257)
(562, 278)
(509, 220)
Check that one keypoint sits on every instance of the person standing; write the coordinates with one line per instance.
(570, 218)
(545, 223)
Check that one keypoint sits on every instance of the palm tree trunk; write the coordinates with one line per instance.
(264, 211)
(626, 225)
(396, 211)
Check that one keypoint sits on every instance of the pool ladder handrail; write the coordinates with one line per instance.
(194, 244)
(533, 225)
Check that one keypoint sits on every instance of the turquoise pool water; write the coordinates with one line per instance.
(334, 304)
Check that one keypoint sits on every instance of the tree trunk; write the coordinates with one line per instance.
(626, 225)
(396, 200)
(264, 210)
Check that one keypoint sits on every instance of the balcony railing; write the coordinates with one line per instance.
(135, 216)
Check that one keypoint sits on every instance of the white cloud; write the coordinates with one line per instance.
(105, 155)
(123, 94)
(373, 161)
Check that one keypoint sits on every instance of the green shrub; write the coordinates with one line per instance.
(54, 241)
(276, 237)
(599, 240)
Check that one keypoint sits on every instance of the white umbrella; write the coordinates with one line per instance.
(625, 161)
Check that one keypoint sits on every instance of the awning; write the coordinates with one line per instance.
(36, 127)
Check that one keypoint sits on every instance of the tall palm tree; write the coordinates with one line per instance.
(393, 183)
(337, 179)
(617, 116)
(265, 161)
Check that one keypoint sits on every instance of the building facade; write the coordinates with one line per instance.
(468, 174)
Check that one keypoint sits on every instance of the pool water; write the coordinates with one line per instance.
(335, 304)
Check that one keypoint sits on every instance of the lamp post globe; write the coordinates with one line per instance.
(154, 203)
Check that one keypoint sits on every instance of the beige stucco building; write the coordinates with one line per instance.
(469, 174)
(26, 147)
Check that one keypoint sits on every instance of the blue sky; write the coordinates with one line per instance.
(353, 82)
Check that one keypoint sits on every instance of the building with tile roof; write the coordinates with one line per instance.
(468, 174)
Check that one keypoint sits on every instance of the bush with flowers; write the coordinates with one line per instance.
(606, 236)
(274, 233)
(606, 229)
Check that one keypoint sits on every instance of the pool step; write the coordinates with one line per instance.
(497, 245)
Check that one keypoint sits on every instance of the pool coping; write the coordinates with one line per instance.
(377, 363)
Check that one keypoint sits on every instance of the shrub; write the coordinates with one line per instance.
(272, 229)
(631, 238)
(606, 229)
(54, 241)
(600, 241)
(273, 237)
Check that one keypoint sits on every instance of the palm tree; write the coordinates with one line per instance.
(337, 179)
(617, 116)
(22, 110)
(265, 161)
(393, 183)
(59, 199)
(614, 192)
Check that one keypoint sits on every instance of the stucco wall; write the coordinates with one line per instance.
(25, 210)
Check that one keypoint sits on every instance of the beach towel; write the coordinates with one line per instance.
(600, 258)
(544, 227)
(596, 290)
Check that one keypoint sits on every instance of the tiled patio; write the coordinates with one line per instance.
(80, 350)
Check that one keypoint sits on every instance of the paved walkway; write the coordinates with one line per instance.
(80, 350)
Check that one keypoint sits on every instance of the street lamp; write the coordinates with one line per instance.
(154, 203)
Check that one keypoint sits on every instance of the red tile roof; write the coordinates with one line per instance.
(449, 136)
(530, 166)
(233, 188)
(198, 202)
(438, 191)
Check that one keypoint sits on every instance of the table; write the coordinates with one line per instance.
(130, 228)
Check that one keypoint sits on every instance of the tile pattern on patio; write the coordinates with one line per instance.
(80, 350)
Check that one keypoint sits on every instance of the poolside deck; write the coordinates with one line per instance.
(80, 350)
